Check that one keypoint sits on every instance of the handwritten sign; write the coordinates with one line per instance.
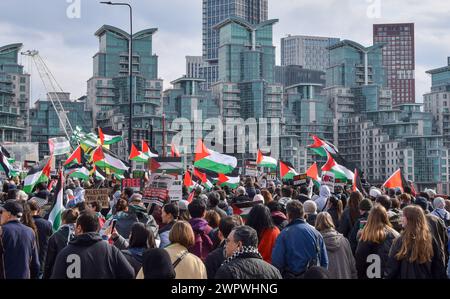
(135, 184)
(101, 195)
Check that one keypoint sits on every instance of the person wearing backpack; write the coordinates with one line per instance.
(376, 238)
(203, 244)
(299, 246)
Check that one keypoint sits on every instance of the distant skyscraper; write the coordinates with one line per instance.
(308, 51)
(398, 59)
(214, 12)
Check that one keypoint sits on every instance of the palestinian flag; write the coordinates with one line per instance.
(174, 151)
(341, 172)
(287, 171)
(59, 146)
(169, 165)
(76, 157)
(118, 176)
(137, 155)
(147, 151)
(105, 160)
(97, 173)
(313, 174)
(203, 179)
(395, 181)
(87, 141)
(58, 207)
(191, 197)
(37, 174)
(266, 161)
(6, 166)
(187, 181)
(108, 136)
(81, 173)
(322, 147)
(232, 182)
(214, 161)
(243, 208)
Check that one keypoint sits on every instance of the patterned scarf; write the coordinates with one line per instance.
(244, 251)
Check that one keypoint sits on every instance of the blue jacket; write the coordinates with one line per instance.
(296, 246)
(20, 252)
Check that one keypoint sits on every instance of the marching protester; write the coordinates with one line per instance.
(213, 203)
(44, 231)
(241, 195)
(375, 238)
(203, 244)
(310, 208)
(350, 214)
(299, 246)
(278, 217)
(440, 211)
(286, 196)
(303, 196)
(58, 241)
(341, 263)
(322, 200)
(216, 257)
(185, 264)
(243, 261)
(141, 239)
(95, 258)
(364, 208)
(156, 265)
(335, 208)
(415, 254)
(260, 219)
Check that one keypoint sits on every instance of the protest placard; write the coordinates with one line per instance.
(136, 184)
(300, 179)
(328, 179)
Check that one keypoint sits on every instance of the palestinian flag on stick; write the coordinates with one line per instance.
(214, 161)
(287, 171)
(79, 173)
(59, 146)
(232, 182)
(76, 157)
(147, 151)
(58, 207)
(98, 173)
(137, 155)
(396, 181)
(37, 174)
(187, 181)
(105, 160)
(313, 172)
(7, 167)
(341, 172)
(243, 208)
(266, 161)
(108, 136)
(322, 147)
(174, 151)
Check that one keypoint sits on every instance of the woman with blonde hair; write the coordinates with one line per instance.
(376, 238)
(415, 254)
(341, 263)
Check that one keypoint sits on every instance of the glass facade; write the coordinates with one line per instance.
(14, 96)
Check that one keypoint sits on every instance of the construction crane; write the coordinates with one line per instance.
(52, 88)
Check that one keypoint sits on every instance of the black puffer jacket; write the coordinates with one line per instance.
(248, 266)
(56, 244)
(97, 260)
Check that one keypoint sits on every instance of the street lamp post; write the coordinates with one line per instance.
(130, 69)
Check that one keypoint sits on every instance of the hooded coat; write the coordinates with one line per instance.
(321, 201)
(341, 263)
(96, 260)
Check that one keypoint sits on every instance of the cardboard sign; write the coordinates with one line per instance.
(300, 179)
(101, 195)
(136, 184)
(328, 179)
(251, 168)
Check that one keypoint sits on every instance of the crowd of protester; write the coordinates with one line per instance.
(289, 232)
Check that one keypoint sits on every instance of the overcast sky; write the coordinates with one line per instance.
(69, 44)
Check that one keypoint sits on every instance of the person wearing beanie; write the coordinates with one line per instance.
(440, 211)
(364, 208)
(156, 265)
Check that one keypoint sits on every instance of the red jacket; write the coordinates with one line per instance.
(267, 243)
